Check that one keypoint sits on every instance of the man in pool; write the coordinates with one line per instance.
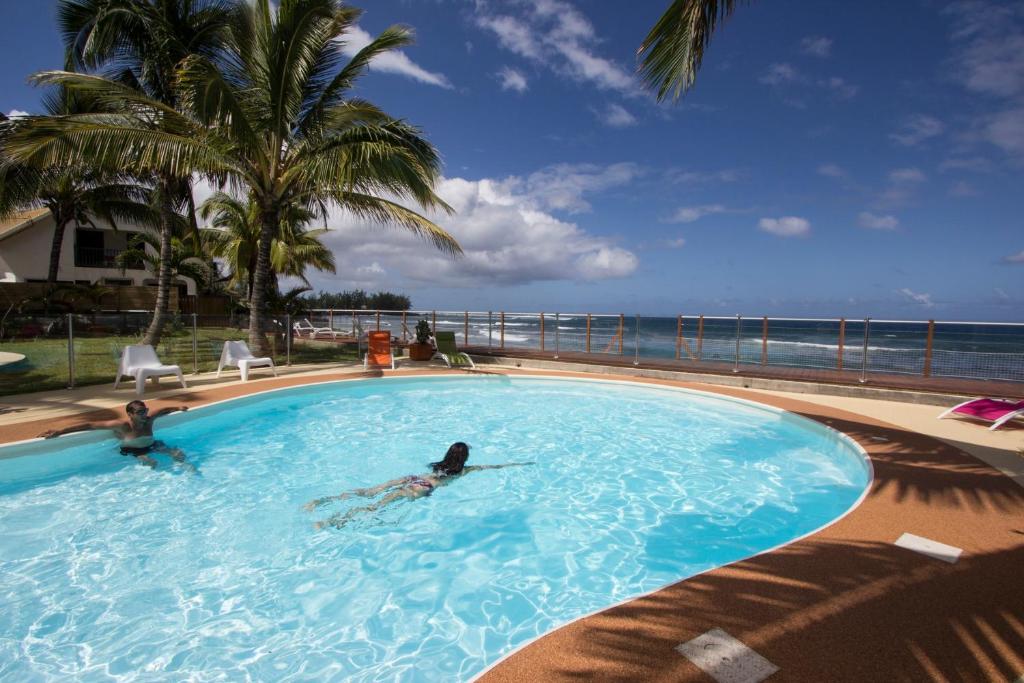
(412, 487)
(135, 435)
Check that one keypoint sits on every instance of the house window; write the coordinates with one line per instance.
(100, 249)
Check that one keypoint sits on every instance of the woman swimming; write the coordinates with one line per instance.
(412, 487)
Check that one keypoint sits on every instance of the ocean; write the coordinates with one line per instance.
(967, 350)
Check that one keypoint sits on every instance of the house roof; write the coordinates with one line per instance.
(20, 221)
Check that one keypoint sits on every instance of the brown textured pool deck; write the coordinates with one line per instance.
(844, 604)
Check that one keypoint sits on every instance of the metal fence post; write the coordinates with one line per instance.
(195, 344)
(764, 341)
(288, 339)
(928, 349)
(842, 340)
(588, 333)
(679, 334)
(557, 315)
(636, 342)
(71, 352)
(739, 323)
(503, 330)
(490, 328)
(700, 337)
(541, 331)
(864, 352)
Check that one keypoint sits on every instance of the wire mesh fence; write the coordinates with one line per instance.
(39, 352)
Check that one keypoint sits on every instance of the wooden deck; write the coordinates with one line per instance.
(944, 385)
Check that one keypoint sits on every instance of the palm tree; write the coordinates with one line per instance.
(273, 116)
(73, 193)
(235, 237)
(675, 46)
(186, 260)
(139, 44)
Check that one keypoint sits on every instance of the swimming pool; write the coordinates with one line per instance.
(110, 570)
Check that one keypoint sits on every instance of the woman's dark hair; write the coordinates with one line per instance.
(454, 460)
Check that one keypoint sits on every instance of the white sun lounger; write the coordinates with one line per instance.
(140, 361)
(237, 354)
(305, 326)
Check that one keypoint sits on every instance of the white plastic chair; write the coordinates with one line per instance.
(140, 361)
(237, 354)
(305, 326)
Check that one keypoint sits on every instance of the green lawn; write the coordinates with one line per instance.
(96, 358)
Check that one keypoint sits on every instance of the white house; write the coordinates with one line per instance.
(87, 254)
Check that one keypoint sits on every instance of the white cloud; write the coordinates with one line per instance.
(906, 175)
(972, 164)
(1006, 131)
(726, 175)
(561, 187)
(962, 188)
(677, 243)
(924, 300)
(778, 74)
(507, 240)
(395, 61)
(816, 46)
(786, 226)
(556, 35)
(689, 214)
(875, 222)
(916, 129)
(511, 79)
(990, 39)
(839, 87)
(988, 60)
(616, 116)
(831, 171)
(513, 35)
(783, 74)
(1015, 258)
(16, 114)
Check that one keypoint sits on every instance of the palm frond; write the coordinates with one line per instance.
(385, 213)
(672, 53)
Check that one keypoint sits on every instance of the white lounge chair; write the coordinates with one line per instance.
(140, 361)
(310, 329)
(237, 354)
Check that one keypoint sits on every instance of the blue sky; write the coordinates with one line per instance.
(833, 160)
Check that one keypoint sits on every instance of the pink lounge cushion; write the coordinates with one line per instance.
(989, 409)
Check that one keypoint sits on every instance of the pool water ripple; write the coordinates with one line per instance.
(112, 572)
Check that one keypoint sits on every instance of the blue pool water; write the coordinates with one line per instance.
(111, 571)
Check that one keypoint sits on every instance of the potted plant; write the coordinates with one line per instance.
(421, 349)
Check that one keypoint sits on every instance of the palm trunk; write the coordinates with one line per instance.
(258, 297)
(163, 288)
(60, 225)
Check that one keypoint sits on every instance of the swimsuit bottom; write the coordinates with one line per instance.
(417, 482)
(141, 450)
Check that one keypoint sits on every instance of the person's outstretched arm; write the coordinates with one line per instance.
(168, 411)
(84, 427)
(474, 468)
